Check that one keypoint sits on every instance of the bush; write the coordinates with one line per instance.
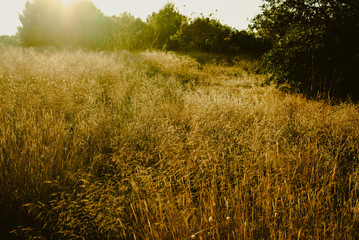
(314, 45)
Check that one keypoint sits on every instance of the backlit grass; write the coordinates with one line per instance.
(154, 145)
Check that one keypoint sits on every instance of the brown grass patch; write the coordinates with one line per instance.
(154, 146)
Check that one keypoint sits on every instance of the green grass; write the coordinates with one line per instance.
(154, 145)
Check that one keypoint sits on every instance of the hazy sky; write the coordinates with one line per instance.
(235, 13)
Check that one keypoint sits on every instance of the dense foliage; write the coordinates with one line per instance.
(128, 32)
(85, 25)
(41, 22)
(315, 44)
(9, 40)
(165, 24)
(209, 35)
(49, 22)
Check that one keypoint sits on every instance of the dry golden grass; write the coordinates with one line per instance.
(155, 146)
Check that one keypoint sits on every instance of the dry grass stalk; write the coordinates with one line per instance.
(154, 146)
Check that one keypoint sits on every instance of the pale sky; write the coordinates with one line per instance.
(235, 13)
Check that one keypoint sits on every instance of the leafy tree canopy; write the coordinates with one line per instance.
(203, 34)
(41, 22)
(49, 22)
(10, 40)
(81, 23)
(209, 35)
(165, 24)
(128, 32)
(314, 44)
(85, 24)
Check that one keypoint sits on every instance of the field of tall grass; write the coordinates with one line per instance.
(154, 145)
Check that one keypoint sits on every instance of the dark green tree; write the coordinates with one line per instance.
(209, 35)
(246, 42)
(314, 44)
(203, 34)
(165, 24)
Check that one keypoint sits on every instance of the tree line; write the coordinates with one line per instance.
(82, 24)
(312, 46)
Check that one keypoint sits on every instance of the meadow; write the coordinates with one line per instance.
(154, 145)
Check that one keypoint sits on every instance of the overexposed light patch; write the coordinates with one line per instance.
(9, 20)
(235, 13)
(65, 2)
